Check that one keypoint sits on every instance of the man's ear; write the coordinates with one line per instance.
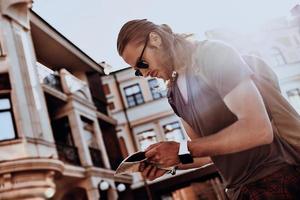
(155, 40)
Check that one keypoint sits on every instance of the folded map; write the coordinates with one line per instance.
(132, 163)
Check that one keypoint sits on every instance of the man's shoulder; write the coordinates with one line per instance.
(214, 44)
(208, 49)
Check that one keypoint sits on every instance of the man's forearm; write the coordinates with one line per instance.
(241, 135)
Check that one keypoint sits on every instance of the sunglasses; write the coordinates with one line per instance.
(140, 63)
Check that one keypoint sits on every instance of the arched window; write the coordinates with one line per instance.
(277, 57)
(146, 138)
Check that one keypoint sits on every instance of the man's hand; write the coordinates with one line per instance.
(163, 154)
(150, 171)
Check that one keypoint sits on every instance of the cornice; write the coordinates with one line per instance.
(30, 164)
(17, 10)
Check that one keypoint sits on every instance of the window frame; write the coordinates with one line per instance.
(179, 128)
(89, 127)
(133, 95)
(141, 132)
(152, 90)
(11, 111)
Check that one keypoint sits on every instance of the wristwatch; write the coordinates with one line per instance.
(184, 154)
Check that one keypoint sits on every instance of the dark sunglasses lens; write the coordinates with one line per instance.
(142, 64)
(138, 73)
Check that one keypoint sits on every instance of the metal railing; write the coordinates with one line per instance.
(53, 80)
(68, 154)
(96, 157)
(49, 77)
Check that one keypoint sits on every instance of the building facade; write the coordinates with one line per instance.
(57, 140)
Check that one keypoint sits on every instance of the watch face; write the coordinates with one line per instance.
(186, 158)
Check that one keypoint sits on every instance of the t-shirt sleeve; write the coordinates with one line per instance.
(223, 67)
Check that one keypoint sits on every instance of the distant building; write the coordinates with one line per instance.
(56, 139)
(278, 43)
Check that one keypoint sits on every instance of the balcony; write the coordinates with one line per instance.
(96, 157)
(49, 77)
(68, 154)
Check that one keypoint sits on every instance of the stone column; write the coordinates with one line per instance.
(78, 136)
(23, 185)
(27, 95)
(100, 141)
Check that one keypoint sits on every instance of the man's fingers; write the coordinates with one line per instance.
(152, 146)
(146, 171)
(152, 173)
(142, 166)
(150, 153)
(158, 173)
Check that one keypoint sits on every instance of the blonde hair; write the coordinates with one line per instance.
(176, 45)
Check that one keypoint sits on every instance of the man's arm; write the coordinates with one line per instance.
(151, 172)
(252, 128)
(198, 162)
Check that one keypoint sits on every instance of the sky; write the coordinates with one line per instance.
(93, 25)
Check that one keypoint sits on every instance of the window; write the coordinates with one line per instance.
(173, 132)
(294, 98)
(67, 152)
(277, 57)
(6, 119)
(156, 91)
(4, 82)
(146, 138)
(111, 105)
(106, 89)
(133, 95)
(89, 133)
(62, 131)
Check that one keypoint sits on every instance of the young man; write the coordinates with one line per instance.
(216, 95)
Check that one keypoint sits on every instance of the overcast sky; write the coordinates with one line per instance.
(93, 25)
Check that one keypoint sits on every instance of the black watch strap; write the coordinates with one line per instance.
(186, 158)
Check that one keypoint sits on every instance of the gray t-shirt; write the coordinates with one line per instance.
(221, 69)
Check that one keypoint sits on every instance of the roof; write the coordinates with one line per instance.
(56, 51)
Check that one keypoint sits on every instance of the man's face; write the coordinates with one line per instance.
(159, 65)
